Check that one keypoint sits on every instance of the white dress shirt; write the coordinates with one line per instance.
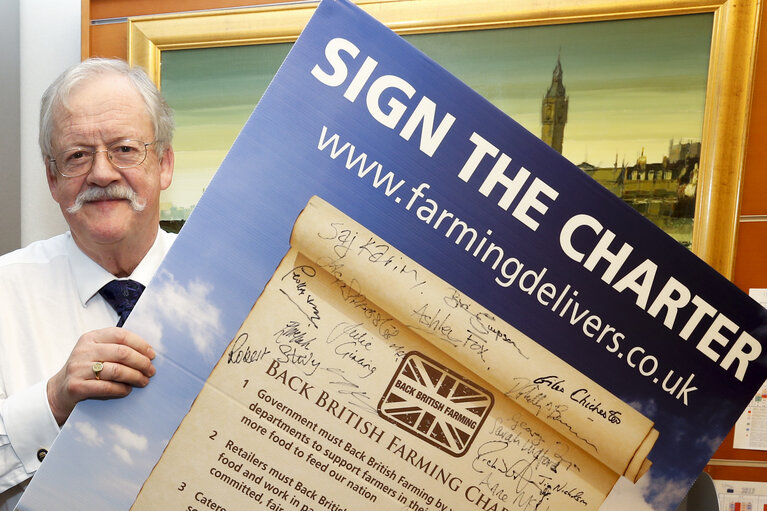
(48, 299)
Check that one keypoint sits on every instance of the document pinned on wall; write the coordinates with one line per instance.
(759, 294)
(751, 427)
(741, 495)
(393, 296)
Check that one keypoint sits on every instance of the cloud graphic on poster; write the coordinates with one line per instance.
(626, 496)
(710, 443)
(647, 408)
(128, 438)
(123, 454)
(667, 493)
(88, 434)
(189, 306)
(113, 490)
(650, 493)
(125, 441)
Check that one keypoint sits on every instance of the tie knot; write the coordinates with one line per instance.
(122, 295)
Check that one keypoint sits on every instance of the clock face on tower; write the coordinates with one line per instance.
(548, 112)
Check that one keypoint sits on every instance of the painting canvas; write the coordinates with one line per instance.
(626, 97)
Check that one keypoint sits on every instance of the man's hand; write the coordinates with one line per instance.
(127, 360)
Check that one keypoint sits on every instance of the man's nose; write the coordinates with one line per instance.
(102, 170)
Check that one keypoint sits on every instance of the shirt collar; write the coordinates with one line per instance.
(90, 276)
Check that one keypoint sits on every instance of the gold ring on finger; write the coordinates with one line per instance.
(97, 368)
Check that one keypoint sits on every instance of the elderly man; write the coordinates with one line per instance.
(105, 135)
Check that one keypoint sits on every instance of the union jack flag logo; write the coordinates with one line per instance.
(435, 404)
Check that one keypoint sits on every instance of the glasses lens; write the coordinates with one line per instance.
(127, 153)
(74, 161)
(124, 154)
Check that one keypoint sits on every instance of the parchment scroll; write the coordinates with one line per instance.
(604, 426)
(360, 379)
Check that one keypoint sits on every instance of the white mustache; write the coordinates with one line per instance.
(113, 191)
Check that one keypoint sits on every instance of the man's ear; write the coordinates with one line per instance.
(53, 179)
(166, 168)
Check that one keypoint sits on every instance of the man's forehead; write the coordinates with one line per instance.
(102, 88)
(102, 103)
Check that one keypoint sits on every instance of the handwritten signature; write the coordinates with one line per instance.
(242, 353)
(519, 454)
(481, 322)
(537, 396)
(304, 301)
(292, 333)
(439, 323)
(345, 386)
(344, 243)
(297, 356)
(384, 323)
(351, 341)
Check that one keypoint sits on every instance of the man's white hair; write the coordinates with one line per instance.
(57, 95)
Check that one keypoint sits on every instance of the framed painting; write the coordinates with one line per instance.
(649, 97)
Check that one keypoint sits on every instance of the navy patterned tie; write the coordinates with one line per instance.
(122, 295)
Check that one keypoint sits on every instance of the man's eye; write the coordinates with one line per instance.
(76, 155)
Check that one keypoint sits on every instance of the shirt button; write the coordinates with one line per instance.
(41, 454)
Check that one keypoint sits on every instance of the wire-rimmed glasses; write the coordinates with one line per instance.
(123, 154)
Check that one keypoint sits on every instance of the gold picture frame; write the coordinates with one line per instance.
(728, 90)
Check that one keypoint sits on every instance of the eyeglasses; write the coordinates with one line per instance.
(123, 154)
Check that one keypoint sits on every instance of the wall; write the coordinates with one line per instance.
(49, 43)
(750, 263)
(40, 38)
(10, 177)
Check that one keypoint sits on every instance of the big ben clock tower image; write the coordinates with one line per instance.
(554, 111)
